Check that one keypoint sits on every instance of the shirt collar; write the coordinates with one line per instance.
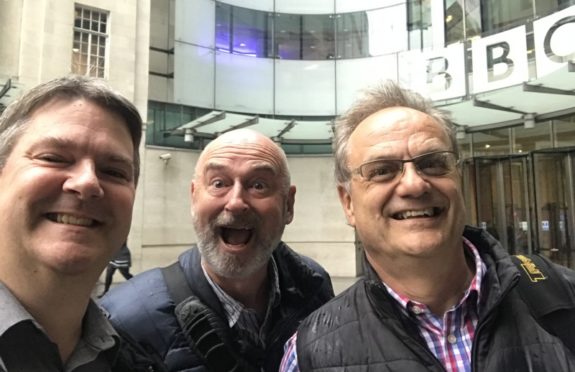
(12, 311)
(97, 332)
(233, 308)
(474, 285)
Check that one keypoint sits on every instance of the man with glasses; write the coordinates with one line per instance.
(437, 295)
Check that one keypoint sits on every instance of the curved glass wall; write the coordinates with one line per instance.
(310, 36)
(307, 66)
(366, 33)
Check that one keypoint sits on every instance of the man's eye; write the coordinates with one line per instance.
(217, 184)
(117, 173)
(383, 169)
(259, 185)
(52, 158)
(434, 164)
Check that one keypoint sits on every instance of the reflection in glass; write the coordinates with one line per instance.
(242, 31)
(529, 139)
(491, 142)
(462, 20)
(305, 37)
(564, 131)
(419, 24)
(505, 14)
(352, 39)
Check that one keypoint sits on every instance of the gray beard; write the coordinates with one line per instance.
(228, 265)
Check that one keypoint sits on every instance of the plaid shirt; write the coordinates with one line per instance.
(248, 321)
(449, 337)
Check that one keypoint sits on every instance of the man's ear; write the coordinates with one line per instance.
(290, 201)
(346, 203)
(192, 191)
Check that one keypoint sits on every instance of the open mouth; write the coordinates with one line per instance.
(236, 236)
(67, 219)
(421, 213)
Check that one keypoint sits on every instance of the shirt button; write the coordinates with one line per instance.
(417, 310)
(451, 339)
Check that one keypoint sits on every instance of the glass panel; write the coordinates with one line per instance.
(487, 200)
(194, 67)
(352, 38)
(454, 23)
(499, 14)
(386, 30)
(223, 27)
(253, 77)
(249, 32)
(472, 18)
(517, 209)
(418, 23)
(305, 87)
(529, 139)
(288, 36)
(554, 187)
(564, 131)
(468, 182)
(502, 200)
(318, 37)
(353, 75)
(491, 142)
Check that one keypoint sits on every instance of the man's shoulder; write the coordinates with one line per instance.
(142, 308)
(345, 304)
(286, 254)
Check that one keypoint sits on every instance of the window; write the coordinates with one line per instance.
(242, 31)
(89, 46)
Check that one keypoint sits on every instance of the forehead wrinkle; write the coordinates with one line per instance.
(259, 156)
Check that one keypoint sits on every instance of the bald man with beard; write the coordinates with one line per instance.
(245, 290)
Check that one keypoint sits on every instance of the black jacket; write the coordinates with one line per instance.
(363, 329)
(143, 308)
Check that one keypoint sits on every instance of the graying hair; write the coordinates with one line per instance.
(15, 119)
(386, 95)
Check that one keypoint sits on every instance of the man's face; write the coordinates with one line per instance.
(239, 206)
(67, 190)
(412, 214)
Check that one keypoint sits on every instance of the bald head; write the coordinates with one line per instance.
(249, 143)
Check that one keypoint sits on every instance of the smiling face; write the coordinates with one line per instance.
(240, 204)
(411, 215)
(67, 190)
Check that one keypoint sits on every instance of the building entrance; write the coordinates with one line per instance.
(527, 201)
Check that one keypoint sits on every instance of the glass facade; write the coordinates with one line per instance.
(376, 32)
(310, 36)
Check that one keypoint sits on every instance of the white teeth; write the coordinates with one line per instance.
(72, 220)
(420, 213)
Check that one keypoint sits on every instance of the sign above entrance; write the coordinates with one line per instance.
(498, 61)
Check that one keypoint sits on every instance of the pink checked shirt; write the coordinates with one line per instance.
(449, 337)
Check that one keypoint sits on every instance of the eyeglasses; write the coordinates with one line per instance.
(433, 164)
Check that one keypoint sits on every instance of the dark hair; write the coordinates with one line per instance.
(386, 95)
(15, 119)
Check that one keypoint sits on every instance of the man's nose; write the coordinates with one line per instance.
(237, 199)
(83, 181)
(411, 182)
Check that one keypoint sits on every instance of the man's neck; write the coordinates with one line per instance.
(439, 283)
(251, 291)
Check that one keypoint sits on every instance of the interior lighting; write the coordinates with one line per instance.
(529, 120)
(188, 135)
